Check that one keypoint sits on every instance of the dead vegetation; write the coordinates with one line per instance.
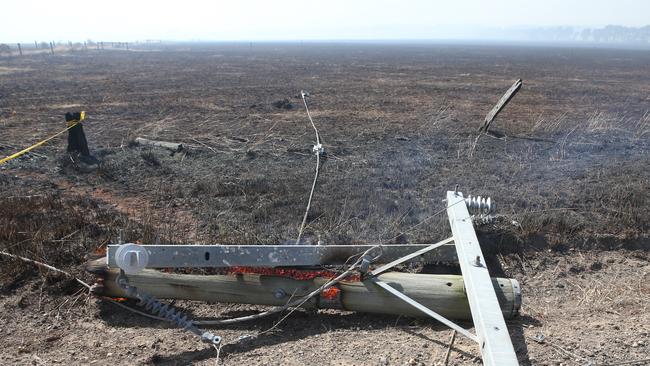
(568, 170)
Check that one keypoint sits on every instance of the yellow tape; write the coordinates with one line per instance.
(82, 116)
(74, 123)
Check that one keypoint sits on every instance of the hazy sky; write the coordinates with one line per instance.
(121, 20)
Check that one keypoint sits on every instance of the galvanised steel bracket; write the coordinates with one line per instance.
(135, 257)
(491, 330)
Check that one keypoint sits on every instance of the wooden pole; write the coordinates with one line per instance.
(495, 110)
(20, 49)
(52, 47)
(173, 146)
(443, 294)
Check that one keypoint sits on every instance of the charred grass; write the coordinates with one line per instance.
(569, 168)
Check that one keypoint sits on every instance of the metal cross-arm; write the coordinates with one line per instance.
(494, 339)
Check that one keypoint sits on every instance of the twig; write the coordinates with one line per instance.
(451, 342)
(205, 145)
(218, 349)
(46, 266)
(66, 237)
(545, 341)
(40, 295)
(640, 362)
(24, 197)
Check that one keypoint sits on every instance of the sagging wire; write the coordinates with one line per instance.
(318, 150)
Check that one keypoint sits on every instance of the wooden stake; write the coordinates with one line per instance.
(499, 106)
(495, 111)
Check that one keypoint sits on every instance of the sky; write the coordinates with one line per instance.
(237, 20)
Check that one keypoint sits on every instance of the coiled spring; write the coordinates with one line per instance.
(155, 306)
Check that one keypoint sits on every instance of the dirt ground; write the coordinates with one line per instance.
(570, 175)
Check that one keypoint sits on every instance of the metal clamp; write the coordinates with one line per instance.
(318, 149)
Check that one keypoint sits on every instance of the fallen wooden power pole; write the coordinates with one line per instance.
(444, 294)
(277, 274)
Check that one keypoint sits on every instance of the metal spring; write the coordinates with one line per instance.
(480, 205)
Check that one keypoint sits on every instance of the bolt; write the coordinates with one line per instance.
(477, 261)
(279, 294)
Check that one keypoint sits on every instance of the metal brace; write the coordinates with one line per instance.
(491, 330)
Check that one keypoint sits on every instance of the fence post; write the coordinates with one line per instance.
(20, 49)
(52, 47)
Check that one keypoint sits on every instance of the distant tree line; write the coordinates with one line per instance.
(608, 34)
(616, 33)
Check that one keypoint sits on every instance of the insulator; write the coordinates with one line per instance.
(166, 311)
(155, 306)
(483, 220)
(479, 205)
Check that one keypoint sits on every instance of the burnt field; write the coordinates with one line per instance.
(570, 176)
